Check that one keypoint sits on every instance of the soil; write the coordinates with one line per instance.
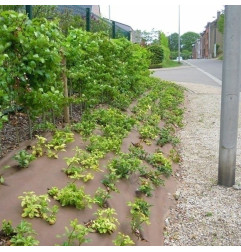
(44, 173)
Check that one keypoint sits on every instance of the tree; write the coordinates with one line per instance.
(221, 23)
(173, 42)
(188, 39)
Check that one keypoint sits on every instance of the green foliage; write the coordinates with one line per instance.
(31, 62)
(101, 196)
(188, 39)
(39, 148)
(174, 156)
(221, 23)
(173, 42)
(123, 240)
(105, 221)
(37, 206)
(21, 235)
(157, 53)
(70, 195)
(140, 213)
(124, 165)
(145, 187)
(167, 136)
(58, 142)
(159, 161)
(77, 234)
(23, 158)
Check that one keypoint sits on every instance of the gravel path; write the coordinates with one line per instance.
(205, 214)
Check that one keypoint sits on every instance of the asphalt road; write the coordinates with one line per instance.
(201, 71)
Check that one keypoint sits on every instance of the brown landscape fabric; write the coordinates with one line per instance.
(44, 173)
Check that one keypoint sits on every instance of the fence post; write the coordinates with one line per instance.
(113, 30)
(29, 11)
(230, 96)
(129, 36)
(65, 83)
(87, 19)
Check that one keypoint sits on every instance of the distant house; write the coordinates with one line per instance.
(210, 42)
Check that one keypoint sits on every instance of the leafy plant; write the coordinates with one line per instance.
(101, 197)
(146, 187)
(105, 221)
(174, 156)
(123, 240)
(37, 206)
(23, 158)
(162, 164)
(21, 235)
(77, 235)
(124, 165)
(166, 136)
(110, 180)
(140, 213)
(39, 148)
(70, 195)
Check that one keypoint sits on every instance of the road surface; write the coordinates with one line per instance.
(200, 71)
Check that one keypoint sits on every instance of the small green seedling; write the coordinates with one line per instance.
(24, 158)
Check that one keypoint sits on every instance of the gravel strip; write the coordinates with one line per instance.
(206, 214)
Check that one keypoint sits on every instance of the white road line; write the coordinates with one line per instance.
(218, 81)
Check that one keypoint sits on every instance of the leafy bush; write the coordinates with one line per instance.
(157, 53)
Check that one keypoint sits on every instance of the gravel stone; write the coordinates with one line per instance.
(206, 214)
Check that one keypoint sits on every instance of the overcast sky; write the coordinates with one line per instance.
(164, 17)
(152, 14)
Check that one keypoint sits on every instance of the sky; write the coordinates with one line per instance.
(146, 15)
(164, 17)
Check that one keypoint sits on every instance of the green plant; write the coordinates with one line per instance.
(105, 221)
(124, 165)
(174, 156)
(140, 213)
(70, 195)
(145, 187)
(166, 136)
(110, 180)
(37, 206)
(101, 196)
(23, 158)
(38, 149)
(162, 164)
(123, 240)
(77, 235)
(58, 142)
(21, 235)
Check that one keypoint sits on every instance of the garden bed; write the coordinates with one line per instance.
(137, 137)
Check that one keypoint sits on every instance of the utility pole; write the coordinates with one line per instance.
(179, 38)
(230, 96)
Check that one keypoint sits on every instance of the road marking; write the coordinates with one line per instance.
(218, 81)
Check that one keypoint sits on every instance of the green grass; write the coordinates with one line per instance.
(171, 63)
